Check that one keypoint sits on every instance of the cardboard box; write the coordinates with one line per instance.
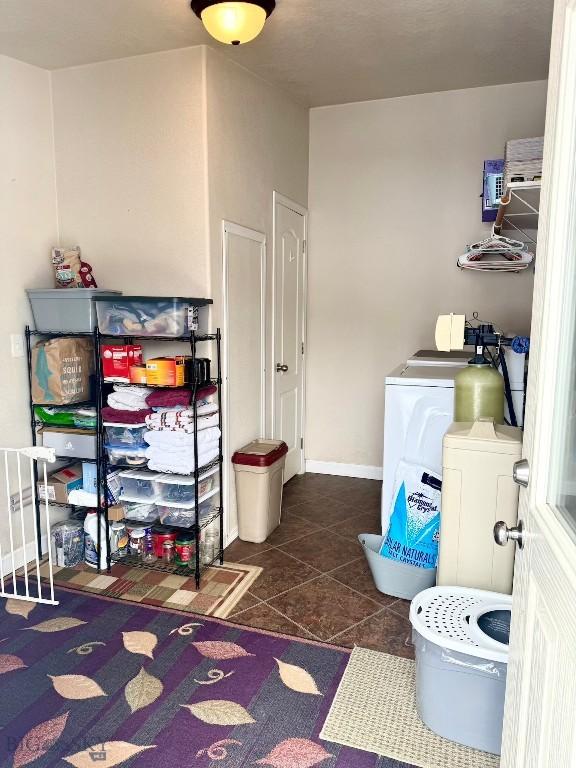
(61, 483)
(115, 513)
(117, 359)
(77, 444)
(166, 371)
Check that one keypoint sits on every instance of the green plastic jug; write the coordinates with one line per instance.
(479, 393)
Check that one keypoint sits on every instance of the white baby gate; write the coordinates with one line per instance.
(21, 517)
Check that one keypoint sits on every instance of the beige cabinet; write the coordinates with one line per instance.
(478, 491)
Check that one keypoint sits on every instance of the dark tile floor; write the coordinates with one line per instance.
(316, 583)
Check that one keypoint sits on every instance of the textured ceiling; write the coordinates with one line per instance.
(322, 51)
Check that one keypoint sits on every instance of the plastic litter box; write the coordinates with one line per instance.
(461, 641)
(66, 309)
(391, 576)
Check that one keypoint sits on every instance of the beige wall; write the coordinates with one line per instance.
(130, 159)
(28, 223)
(257, 143)
(28, 228)
(394, 199)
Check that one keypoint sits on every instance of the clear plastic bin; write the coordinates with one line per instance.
(148, 316)
(179, 489)
(120, 435)
(139, 486)
(128, 455)
(141, 513)
(185, 516)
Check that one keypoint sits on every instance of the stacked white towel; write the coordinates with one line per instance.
(129, 398)
(179, 421)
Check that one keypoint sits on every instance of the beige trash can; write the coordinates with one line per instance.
(259, 470)
(478, 491)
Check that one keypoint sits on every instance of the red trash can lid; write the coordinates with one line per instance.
(260, 453)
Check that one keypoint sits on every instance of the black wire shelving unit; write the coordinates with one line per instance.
(101, 388)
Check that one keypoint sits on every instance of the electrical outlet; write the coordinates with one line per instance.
(17, 345)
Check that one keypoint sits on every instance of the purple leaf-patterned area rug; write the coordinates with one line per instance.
(95, 683)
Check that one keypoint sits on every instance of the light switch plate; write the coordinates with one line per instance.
(17, 345)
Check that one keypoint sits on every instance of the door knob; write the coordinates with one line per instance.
(521, 473)
(503, 534)
(281, 368)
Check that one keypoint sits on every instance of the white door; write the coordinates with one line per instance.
(244, 252)
(288, 337)
(540, 721)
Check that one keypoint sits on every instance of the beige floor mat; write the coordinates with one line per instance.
(374, 710)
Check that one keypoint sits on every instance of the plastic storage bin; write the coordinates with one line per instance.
(392, 577)
(461, 641)
(139, 486)
(131, 455)
(65, 309)
(184, 516)
(179, 489)
(120, 435)
(141, 513)
(150, 315)
(259, 474)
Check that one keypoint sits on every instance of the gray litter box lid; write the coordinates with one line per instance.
(469, 621)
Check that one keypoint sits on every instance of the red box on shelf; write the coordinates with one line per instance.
(117, 360)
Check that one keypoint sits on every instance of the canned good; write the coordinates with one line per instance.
(185, 549)
(160, 535)
(118, 539)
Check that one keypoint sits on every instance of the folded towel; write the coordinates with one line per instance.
(202, 409)
(180, 421)
(125, 417)
(172, 397)
(82, 498)
(129, 398)
(177, 441)
(180, 463)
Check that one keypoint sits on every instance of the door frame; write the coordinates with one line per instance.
(544, 526)
(279, 199)
(230, 228)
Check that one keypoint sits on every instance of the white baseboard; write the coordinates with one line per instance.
(230, 536)
(344, 470)
(20, 559)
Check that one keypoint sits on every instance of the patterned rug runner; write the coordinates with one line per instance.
(102, 682)
(221, 588)
(375, 709)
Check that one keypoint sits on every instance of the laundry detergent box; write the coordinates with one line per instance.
(60, 484)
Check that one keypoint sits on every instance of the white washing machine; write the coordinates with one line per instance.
(419, 408)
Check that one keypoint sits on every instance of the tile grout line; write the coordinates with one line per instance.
(357, 624)
(296, 624)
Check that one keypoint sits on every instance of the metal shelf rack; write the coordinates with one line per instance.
(519, 209)
(101, 459)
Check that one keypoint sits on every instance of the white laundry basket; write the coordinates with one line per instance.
(461, 641)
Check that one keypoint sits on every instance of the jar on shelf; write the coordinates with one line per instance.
(210, 545)
(185, 549)
(168, 552)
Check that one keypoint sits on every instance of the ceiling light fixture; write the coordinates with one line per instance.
(233, 23)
